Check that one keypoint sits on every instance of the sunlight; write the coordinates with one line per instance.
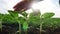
(46, 6)
(43, 6)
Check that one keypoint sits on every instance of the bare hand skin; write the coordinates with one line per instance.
(24, 5)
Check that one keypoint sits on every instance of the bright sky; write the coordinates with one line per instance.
(43, 6)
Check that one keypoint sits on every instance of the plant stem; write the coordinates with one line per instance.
(1, 25)
(26, 32)
(41, 27)
(19, 26)
(27, 19)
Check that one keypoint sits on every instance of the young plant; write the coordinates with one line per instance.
(38, 18)
(1, 20)
(25, 23)
(45, 17)
(20, 20)
(8, 19)
(52, 23)
(15, 16)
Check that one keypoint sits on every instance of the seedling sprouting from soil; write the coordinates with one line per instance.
(36, 18)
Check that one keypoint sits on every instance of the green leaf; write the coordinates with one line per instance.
(35, 17)
(9, 18)
(13, 13)
(25, 25)
(1, 16)
(21, 19)
(1, 20)
(52, 23)
(24, 14)
(47, 15)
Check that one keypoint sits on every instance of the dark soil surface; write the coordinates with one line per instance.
(12, 29)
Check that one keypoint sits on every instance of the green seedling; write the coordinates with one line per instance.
(38, 18)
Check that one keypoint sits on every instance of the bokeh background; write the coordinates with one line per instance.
(43, 6)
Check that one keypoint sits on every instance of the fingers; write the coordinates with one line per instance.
(21, 6)
(21, 9)
(18, 4)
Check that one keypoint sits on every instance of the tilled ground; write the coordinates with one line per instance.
(12, 29)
